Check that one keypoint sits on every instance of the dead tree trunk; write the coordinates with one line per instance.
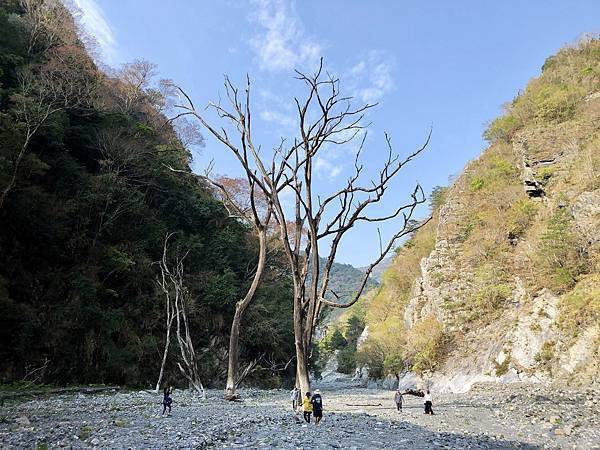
(240, 308)
(251, 207)
(325, 119)
(243, 202)
(170, 315)
(172, 284)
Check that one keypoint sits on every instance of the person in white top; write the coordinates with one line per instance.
(294, 397)
(428, 403)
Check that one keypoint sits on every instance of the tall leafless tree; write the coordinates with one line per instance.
(252, 209)
(325, 118)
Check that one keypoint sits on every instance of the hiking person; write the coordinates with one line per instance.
(317, 404)
(398, 400)
(295, 397)
(428, 403)
(307, 407)
(167, 400)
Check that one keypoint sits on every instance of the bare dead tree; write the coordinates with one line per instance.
(262, 363)
(172, 284)
(48, 24)
(169, 313)
(252, 208)
(326, 118)
(33, 374)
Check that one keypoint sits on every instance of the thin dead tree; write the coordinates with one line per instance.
(251, 208)
(171, 282)
(325, 119)
(169, 313)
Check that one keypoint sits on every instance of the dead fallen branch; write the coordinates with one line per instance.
(364, 405)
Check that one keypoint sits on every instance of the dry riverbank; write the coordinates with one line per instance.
(488, 417)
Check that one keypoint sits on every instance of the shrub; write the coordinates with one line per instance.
(477, 183)
(549, 63)
(501, 168)
(467, 228)
(502, 129)
(556, 102)
(317, 360)
(336, 341)
(354, 328)
(561, 252)
(548, 102)
(438, 278)
(426, 345)
(544, 174)
(581, 305)
(546, 353)
(393, 364)
(502, 369)
(371, 354)
(520, 216)
(346, 359)
(491, 296)
(437, 197)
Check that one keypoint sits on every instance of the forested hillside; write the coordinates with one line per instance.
(87, 201)
(503, 283)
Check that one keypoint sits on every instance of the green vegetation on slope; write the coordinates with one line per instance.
(86, 218)
(501, 232)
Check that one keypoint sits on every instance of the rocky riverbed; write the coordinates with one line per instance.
(487, 417)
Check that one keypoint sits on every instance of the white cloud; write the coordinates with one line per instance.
(282, 42)
(284, 120)
(372, 77)
(327, 169)
(94, 22)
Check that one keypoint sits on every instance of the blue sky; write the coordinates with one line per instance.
(446, 64)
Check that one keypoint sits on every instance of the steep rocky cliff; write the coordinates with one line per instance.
(511, 273)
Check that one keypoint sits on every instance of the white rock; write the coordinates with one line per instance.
(23, 421)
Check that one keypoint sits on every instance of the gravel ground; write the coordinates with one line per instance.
(488, 417)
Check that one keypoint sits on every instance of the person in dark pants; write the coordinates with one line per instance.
(295, 397)
(317, 404)
(398, 400)
(307, 407)
(167, 400)
(428, 403)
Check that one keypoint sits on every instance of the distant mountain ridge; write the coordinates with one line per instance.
(379, 269)
(345, 280)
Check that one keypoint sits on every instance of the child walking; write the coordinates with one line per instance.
(398, 400)
(167, 400)
(307, 407)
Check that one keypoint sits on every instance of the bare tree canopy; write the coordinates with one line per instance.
(326, 118)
